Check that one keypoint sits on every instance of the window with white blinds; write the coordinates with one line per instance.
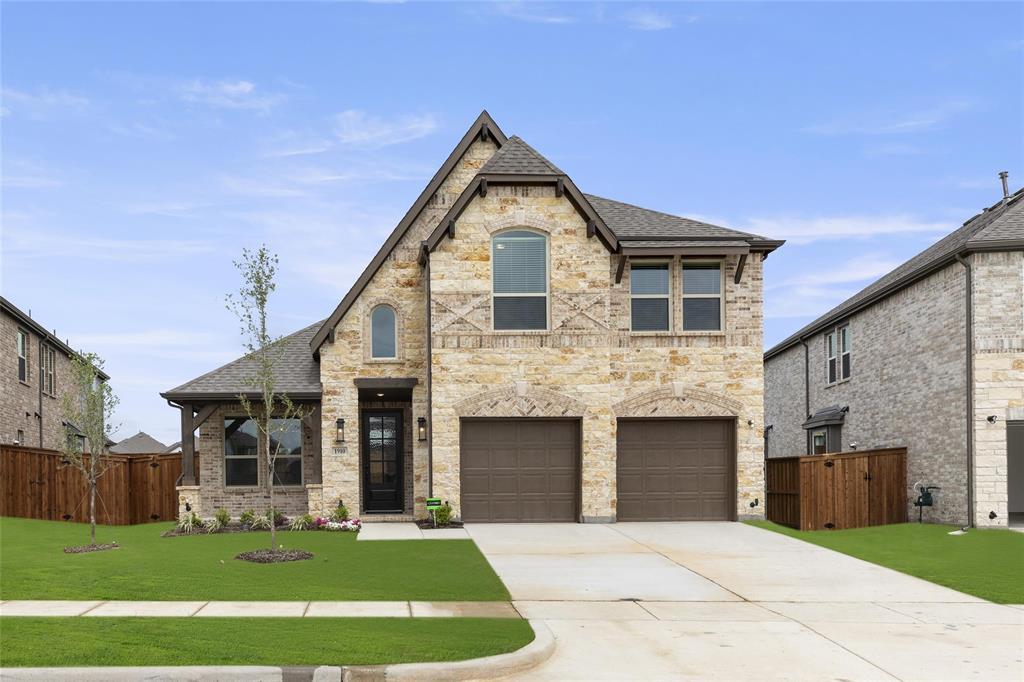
(520, 280)
(702, 296)
(649, 297)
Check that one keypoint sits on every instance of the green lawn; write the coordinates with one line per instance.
(29, 642)
(984, 563)
(203, 567)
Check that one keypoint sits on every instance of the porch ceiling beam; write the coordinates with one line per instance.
(203, 414)
(387, 382)
(620, 269)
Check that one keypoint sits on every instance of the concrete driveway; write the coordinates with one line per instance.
(695, 600)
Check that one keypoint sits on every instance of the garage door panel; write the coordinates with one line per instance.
(529, 466)
(674, 469)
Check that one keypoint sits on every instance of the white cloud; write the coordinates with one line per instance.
(534, 13)
(869, 266)
(806, 230)
(804, 301)
(42, 103)
(256, 187)
(647, 20)
(240, 94)
(881, 122)
(359, 128)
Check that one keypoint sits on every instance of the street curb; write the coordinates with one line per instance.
(520, 660)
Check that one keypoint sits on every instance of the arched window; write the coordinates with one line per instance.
(383, 336)
(520, 278)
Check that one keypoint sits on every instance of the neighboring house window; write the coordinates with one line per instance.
(837, 354)
(649, 303)
(520, 279)
(286, 441)
(22, 355)
(827, 439)
(21, 437)
(383, 332)
(819, 442)
(702, 296)
(241, 459)
(47, 360)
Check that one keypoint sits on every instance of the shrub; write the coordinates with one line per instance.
(189, 523)
(304, 522)
(260, 522)
(277, 516)
(247, 518)
(213, 525)
(222, 517)
(341, 513)
(443, 514)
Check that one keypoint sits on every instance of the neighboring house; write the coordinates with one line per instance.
(175, 447)
(140, 444)
(35, 366)
(521, 349)
(930, 357)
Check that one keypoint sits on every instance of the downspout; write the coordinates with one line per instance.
(39, 361)
(969, 307)
(430, 385)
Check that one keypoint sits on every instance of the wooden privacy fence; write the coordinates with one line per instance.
(845, 490)
(36, 484)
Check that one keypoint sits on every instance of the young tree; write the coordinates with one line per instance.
(89, 406)
(258, 270)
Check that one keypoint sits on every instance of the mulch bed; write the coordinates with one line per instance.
(427, 524)
(269, 556)
(82, 549)
(230, 528)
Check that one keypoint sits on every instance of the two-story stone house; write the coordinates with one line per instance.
(929, 357)
(36, 375)
(523, 350)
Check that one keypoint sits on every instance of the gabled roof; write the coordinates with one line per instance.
(997, 228)
(518, 158)
(140, 444)
(632, 222)
(483, 127)
(297, 374)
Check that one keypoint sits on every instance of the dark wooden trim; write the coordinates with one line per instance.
(739, 269)
(591, 228)
(232, 396)
(204, 413)
(684, 250)
(560, 188)
(484, 125)
(188, 474)
(620, 268)
(483, 187)
(389, 382)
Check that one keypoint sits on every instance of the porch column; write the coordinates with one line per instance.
(188, 473)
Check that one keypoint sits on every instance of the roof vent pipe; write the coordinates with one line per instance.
(1003, 175)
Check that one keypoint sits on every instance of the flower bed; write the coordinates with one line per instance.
(352, 525)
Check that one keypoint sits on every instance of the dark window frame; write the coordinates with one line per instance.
(838, 362)
(667, 296)
(720, 296)
(21, 346)
(289, 457)
(255, 455)
(394, 332)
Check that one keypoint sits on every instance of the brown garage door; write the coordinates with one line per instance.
(519, 470)
(675, 470)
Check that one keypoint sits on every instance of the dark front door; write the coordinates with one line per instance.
(382, 461)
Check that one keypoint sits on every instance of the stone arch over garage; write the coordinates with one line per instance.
(676, 400)
(520, 399)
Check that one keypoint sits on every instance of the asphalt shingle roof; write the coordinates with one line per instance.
(518, 158)
(140, 444)
(297, 372)
(630, 222)
(1002, 221)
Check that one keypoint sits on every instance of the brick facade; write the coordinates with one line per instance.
(908, 383)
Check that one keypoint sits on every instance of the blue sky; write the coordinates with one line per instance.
(143, 145)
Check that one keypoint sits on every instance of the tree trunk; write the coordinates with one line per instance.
(92, 509)
(270, 488)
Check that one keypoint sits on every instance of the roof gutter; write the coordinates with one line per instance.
(969, 373)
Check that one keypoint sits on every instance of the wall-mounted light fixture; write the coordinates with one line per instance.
(991, 419)
(750, 422)
(421, 425)
(339, 435)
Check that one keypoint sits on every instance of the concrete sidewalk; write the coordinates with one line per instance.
(261, 609)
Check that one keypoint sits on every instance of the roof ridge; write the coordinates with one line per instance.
(177, 389)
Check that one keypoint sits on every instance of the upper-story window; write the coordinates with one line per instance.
(520, 279)
(22, 347)
(47, 361)
(649, 297)
(383, 332)
(703, 308)
(837, 355)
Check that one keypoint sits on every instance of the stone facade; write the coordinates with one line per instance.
(24, 406)
(908, 384)
(998, 376)
(589, 364)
